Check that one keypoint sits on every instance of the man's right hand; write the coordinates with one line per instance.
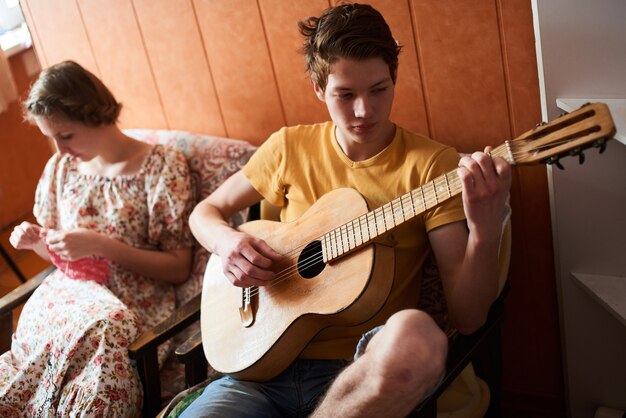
(246, 260)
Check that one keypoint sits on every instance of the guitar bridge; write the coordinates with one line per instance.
(245, 307)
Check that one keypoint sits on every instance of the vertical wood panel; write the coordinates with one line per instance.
(23, 152)
(34, 34)
(300, 104)
(464, 83)
(520, 64)
(532, 263)
(238, 54)
(409, 107)
(61, 32)
(176, 53)
(121, 57)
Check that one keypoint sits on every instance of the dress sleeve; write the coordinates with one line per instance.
(169, 201)
(48, 193)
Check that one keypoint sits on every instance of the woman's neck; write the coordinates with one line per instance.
(117, 154)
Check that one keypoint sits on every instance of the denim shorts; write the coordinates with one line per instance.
(293, 393)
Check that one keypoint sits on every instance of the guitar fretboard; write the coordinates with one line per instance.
(366, 228)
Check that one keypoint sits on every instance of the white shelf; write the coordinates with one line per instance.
(609, 291)
(616, 106)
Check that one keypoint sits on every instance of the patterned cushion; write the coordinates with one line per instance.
(211, 160)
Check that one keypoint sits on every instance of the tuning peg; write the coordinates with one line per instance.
(555, 160)
(578, 151)
(541, 124)
(600, 143)
(563, 114)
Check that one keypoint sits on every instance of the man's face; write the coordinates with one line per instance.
(359, 95)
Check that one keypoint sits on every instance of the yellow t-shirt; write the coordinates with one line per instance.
(297, 165)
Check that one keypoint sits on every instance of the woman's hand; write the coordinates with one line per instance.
(26, 236)
(76, 243)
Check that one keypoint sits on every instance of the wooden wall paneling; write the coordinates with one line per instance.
(462, 70)
(520, 64)
(176, 54)
(532, 265)
(121, 57)
(70, 43)
(531, 329)
(409, 109)
(235, 42)
(34, 34)
(300, 104)
(23, 153)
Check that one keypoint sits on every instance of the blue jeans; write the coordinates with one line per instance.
(293, 393)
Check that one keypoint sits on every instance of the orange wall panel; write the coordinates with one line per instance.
(532, 260)
(61, 33)
(124, 70)
(459, 45)
(518, 51)
(23, 152)
(299, 101)
(34, 34)
(409, 108)
(176, 53)
(238, 53)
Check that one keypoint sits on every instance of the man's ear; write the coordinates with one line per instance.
(319, 92)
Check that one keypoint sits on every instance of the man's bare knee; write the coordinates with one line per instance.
(410, 354)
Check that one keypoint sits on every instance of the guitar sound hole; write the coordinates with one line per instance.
(311, 263)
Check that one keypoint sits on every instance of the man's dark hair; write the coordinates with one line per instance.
(348, 30)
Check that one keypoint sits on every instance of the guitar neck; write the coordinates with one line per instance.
(373, 224)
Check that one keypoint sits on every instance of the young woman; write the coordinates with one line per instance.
(112, 216)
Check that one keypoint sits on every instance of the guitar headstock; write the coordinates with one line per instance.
(570, 134)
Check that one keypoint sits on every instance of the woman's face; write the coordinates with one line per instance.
(74, 138)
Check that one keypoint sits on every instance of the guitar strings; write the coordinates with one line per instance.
(377, 216)
(380, 214)
(508, 151)
(430, 199)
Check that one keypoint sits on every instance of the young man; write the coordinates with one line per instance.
(352, 60)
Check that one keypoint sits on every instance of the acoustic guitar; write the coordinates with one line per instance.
(336, 269)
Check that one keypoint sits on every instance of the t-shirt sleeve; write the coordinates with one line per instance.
(169, 202)
(265, 168)
(47, 194)
(452, 210)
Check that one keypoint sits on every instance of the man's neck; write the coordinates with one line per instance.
(357, 151)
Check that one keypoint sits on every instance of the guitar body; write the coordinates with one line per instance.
(288, 313)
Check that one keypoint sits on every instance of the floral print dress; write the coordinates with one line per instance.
(69, 353)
